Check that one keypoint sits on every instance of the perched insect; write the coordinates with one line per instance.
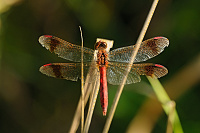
(110, 65)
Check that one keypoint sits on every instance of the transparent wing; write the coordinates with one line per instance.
(65, 49)
(68, 71)
(148, 49)
(115, 72)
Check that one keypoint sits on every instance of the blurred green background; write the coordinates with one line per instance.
(31, 102)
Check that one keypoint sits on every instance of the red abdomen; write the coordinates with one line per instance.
(103, 89)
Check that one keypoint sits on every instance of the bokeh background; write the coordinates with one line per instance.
(31, 102)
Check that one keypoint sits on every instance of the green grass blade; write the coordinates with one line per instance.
(165, 100)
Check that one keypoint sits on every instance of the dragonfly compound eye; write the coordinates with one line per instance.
(100, 44)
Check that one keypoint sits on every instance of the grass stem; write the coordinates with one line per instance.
(82, 84)
(167, 104)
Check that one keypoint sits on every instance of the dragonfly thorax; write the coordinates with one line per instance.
(102, 58)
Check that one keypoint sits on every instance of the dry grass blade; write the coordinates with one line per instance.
(119, 91)
(88, 87)
(82, 84)
(91, 106)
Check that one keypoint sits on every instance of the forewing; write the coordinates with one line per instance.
(65, 49)
(115, 72)
(148, 49)
(68, 71)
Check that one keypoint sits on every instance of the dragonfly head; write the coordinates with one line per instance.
(100, 44)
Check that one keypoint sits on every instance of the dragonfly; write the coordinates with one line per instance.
(110, 65)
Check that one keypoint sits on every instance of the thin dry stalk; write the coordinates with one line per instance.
(88, 87)
(119, 91)
(91, 106)
(82, 84)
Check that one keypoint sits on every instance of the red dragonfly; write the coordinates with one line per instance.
(110, 65)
